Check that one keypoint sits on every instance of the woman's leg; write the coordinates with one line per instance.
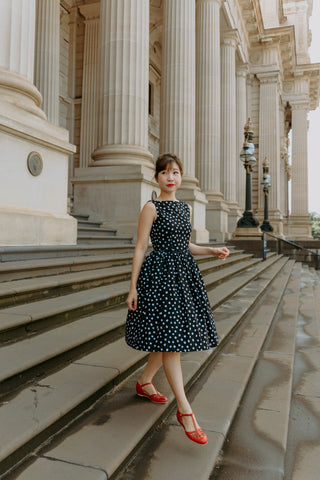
(153, 365)
(172, 368)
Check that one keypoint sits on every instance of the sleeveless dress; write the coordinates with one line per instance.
(173, 313)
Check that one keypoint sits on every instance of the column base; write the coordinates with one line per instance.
(233, 216)
(217, 217)
(33, 202)
(299, 227)
(114, 195)
(23, 227)
(189, 192)
(115, 155)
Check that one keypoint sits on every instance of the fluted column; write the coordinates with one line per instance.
(177, 134)
(249, 95)
(47, 56)
(17, 36)
(208, 114)
(34, 152)
(208, 95)
(299, 206)
(229, 156)
(124, 41)
(178, 101)
(283, 160)
(90, 84)
(120, 179)
(269, 144)
(242, 116)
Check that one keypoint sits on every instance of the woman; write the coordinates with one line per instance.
(169, 310)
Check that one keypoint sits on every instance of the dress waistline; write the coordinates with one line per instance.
(171, 252)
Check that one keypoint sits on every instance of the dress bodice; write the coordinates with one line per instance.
(172, 228)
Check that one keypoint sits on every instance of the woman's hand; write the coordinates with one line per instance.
(132, 300)
(220, 252)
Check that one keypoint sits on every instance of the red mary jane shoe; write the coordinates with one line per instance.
(155, 397)
(196, 435)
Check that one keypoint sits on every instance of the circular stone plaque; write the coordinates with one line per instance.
(35, 163)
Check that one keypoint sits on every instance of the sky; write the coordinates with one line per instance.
(314, 117)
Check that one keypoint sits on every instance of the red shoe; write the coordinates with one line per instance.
(198, 434)
(155, 397)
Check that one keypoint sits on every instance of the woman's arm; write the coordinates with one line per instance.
(146, 218)
(197, 250)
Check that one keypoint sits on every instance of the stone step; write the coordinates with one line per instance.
(109, 434)
(9, 254)
(33, 356)
(26, 290)
(257, 440)
(17, 320)
(99, 231)
(87, 223)
(303, 445)
(22, 269)
(215, 399)
(89, 239)
(81, 216)
(38, 411)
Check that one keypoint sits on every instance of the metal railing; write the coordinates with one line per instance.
(292, 250)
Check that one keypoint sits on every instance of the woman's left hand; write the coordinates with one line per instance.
(220, 252)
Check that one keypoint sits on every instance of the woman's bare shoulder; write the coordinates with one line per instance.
(149, 209)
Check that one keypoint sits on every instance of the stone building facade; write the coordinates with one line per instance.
(95, 90)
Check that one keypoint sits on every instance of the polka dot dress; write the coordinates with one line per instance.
(173, 313)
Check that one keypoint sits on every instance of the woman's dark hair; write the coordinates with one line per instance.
(166, 159)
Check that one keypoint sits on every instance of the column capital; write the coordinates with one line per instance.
(90, 11)
(269, 77)
(300, 104)
(242, 70)
(230, 38)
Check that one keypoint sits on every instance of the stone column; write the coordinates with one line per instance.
(115, 186)
(123, 132)
(177, 133)
(284, 142)
(242, 117)
(34, 153)
(90, 84)
(47, 56)
(208, 114)
(73, 18)
(249, 95)
(229, 157)
(269, 145)
(300, 224)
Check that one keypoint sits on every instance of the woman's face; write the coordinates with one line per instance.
(169, 180)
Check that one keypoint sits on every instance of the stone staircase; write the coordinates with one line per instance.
(93, 233)
(67, 378)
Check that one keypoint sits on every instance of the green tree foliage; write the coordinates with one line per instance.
(315, 218)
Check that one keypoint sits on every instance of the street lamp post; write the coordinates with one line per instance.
(266, 227)
(247, 220)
